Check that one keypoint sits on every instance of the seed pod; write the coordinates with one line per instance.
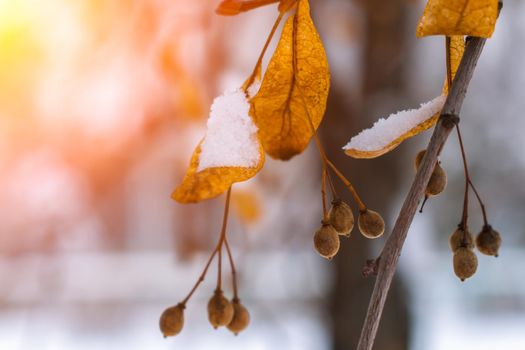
(220, 310)
(326, 241)
(437, 182)
(371, 224)
(172, 320)
(241, 317)
(488, 241)
(465, 263)
(419, 158)
(342, 218)
(459, 239)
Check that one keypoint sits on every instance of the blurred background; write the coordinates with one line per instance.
(101, 105)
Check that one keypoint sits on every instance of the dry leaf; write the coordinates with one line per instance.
(246, 205)
(360, 147)
(211, 182)
(235, 7)
(229, 153)
(294, 89)
(459, 17)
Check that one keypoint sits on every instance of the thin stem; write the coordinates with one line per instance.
(464, 217)
(223, 237)
(348, 184)
(323, 194)
(449, 62)
(327, 162)
(469, 179)
(233, 270)
(485, 220)
(215, 251)
(257, 69)
(201, 277)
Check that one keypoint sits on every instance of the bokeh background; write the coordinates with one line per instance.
(101, 104)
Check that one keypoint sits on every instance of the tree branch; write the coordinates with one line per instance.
(387, 263)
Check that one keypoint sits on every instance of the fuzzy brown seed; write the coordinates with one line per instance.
(459, 239)
(326, 241)
(241, 317)
(419, 158)
(220, 310)
(342, 218)
(371, 224)
(465, 263)
(488, 241)
(172, 320)
(438, 179)
(437, 182)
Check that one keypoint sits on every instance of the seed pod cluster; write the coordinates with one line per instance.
(341, 223)
(438, 179)
(221, 313)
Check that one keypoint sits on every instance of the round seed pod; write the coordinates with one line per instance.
(459, 239)
(419, 158)
(437, 182)
(465, 263)
(488, 241)
(220, 310)
(326, 241)
(172, 320)
(342, 218)
(241, 317)
(371, 224)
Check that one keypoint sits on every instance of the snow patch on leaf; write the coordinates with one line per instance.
(231, 137)
(387, 133)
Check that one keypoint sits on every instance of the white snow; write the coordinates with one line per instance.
(385, 131)
(231, 137)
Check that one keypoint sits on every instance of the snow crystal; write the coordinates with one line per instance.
(231, 137)
(387, 130)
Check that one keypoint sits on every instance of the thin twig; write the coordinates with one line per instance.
(392, 250)
(233, 269)
(217, 249)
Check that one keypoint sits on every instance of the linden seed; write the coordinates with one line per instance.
(342, 218)
(241, 317)
(488, 241)
(437, 182)
(459, 239)
(371, 224)
(465, 263)
(419, 158)
(220, 310)
(326, 241)
(172, 320)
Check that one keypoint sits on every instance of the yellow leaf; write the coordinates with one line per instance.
(294, 89)
(247, 205)
(229, 153)
(459, 17)
(211, 182)
(455, 50)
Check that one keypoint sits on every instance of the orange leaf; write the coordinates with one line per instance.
(235, 7)
(459, 17)
(294, 90)
(361, 146)
(211, 182)
(229, 153)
